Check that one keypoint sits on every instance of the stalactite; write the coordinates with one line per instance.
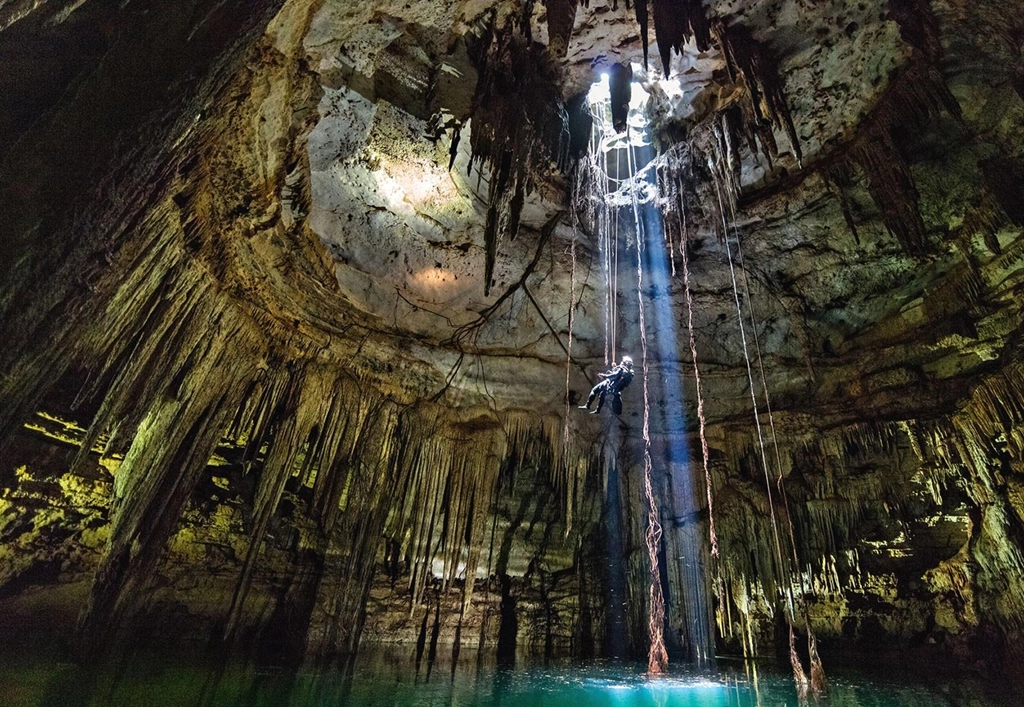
(516, 123)
(424, 497)
(750, 59)
(919, 27)
(834, 495)
(88, 212)
(544, 442)
(642, 19)
(915, 96)
(838, 179)
(892, 187)
(620, 86)
(525, 17)
(453, 148)
(675, 23)
(346, 429)
(987, 217)
(440, 476)
(302, 421)
(561, 17)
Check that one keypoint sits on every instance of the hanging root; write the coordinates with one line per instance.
(657, 658)
(819, 683)
(799, 676)
(696, 377)
(568, 350)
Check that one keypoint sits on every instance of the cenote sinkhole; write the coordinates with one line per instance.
(386, 677)
(511, 352)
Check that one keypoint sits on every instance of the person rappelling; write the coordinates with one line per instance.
(612, 383)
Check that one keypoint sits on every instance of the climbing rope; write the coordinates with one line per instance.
(819, 682)
(696, 377)
(657, 657)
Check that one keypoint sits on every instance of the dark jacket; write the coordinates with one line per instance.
(617, 378)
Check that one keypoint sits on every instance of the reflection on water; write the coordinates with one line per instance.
(389, 677)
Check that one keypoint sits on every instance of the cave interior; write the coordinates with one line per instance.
(300, 300)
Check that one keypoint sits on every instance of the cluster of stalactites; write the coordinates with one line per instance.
(978, 448)
(427, 481)
(747, 59)
(970, 449)
(178, 369)
(516, 114)
(702, 173)
(699, 179)
(914, 97)
(751, 60)
(982, 445)
(517, 103)
(829, 503)
(764, 109)
(675, 23)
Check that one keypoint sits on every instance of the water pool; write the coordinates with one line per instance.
(389, 677)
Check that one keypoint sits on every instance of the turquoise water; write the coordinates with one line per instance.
(389, 678)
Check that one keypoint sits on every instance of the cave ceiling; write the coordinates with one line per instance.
(863, 210)
(406, 233)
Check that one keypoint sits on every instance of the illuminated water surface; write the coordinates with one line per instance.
(390, 677)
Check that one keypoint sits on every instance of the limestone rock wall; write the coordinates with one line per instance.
(57, 525)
